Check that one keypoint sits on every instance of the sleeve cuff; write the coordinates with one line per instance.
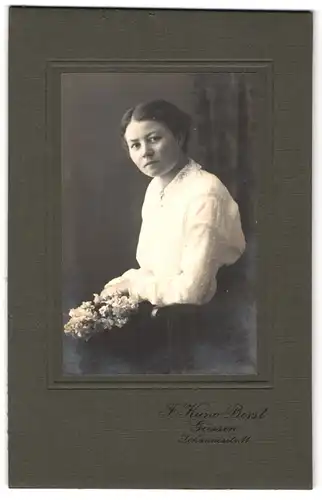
(142, 287)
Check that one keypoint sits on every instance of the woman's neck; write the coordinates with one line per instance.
(169, 176)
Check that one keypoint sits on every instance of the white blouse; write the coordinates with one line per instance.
(189, 230)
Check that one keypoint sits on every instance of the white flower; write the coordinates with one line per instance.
(85, 320)
(97, 298)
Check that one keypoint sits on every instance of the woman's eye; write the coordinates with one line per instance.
(136, 145)
(155, 138)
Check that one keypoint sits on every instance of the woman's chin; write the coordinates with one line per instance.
(150, 171)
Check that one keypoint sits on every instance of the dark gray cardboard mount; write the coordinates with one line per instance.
(124, 432)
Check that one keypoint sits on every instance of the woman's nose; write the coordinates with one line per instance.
(147, 150)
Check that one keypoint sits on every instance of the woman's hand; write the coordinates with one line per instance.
(121, 288)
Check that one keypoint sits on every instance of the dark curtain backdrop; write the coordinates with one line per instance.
(103, 191)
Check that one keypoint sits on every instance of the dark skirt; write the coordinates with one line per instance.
(179, 339)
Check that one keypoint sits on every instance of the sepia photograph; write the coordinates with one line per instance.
(159, 222)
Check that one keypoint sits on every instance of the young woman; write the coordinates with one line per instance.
(190, 223)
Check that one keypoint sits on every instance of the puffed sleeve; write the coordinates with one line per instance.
(212, 237)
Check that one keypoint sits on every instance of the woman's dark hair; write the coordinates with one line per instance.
(177, 121)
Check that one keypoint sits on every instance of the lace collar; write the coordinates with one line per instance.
(182, 174)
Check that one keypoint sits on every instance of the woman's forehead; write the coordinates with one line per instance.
(140, 129)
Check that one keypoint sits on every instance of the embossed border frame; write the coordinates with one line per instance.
(262, 147)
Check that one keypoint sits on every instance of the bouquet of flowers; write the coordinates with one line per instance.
(100, 314)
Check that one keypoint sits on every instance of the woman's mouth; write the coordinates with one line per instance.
(149, 163)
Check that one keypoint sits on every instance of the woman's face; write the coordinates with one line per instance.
(152, 147)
